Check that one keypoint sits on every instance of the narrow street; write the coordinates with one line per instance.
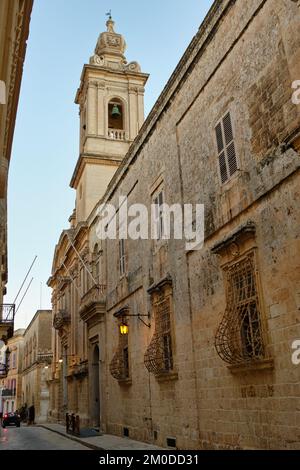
(35, 438)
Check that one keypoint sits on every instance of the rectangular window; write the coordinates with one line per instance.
(13, 387)
(239, 337)
(122, 257)
(158, 202)
(159, 355)
(228, 164)
(242, 286)
(163, 312)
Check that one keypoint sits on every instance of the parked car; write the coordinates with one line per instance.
(11, 418)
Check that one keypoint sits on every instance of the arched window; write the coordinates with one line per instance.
(115, 115)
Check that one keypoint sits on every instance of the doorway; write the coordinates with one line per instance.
(95, 387)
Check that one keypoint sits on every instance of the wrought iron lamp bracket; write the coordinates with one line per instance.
(139, 315)
(122, 314)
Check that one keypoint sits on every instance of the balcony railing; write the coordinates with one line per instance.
(7, 316)
(7, 313)
(45, 357)
(9, 392)
(116, 134)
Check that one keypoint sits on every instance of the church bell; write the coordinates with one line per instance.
(115, 112)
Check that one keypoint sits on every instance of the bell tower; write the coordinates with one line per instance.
(111, 108)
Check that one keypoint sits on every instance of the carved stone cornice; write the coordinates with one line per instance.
(122, 66)
(160, 285)
(233, 240)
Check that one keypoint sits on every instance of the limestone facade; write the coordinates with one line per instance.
(14, 30)
(37, 359)
(11, 385)
(210, 364)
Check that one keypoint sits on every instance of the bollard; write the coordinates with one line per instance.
(67, 422)
(73, 423)
(77, 425)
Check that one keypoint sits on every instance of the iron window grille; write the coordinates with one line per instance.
(159, 356)
(239, 338)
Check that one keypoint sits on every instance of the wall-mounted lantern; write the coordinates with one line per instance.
(124, 328)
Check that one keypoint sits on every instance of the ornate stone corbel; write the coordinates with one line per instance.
(132, 67)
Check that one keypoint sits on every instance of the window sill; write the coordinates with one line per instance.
(125, 382)
(166, 376)
(263, 364)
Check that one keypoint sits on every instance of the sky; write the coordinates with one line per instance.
(63, 35)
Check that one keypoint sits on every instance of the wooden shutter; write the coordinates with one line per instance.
(226, 149)
(221, 151)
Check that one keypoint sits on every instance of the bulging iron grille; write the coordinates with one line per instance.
(119, 366)
(158, 357)
(239, 338)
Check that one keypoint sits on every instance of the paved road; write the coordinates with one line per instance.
(35, 438)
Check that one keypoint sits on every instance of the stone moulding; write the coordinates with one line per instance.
(246, 230)
(157, 286)
(93, 304)
(262, 364)
(61, 318)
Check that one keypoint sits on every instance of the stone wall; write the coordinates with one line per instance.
(243, 60)
(245, 66)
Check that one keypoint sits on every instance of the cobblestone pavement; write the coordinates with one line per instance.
(35, 438)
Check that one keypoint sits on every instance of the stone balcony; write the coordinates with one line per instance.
(77, 368)
(45, 357)
(92, 305)
(7, 317)
(61, 318)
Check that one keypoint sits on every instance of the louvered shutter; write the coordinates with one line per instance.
(222, 158)
(226, 148)
(228, 134)
(231, 159)
(223, 167)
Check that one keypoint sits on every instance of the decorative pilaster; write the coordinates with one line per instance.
(92, 108)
